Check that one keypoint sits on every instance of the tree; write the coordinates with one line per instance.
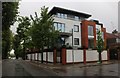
(43, 33)
(100, 45)
(16, 45)
(9, 14)
(6, 43)
(22, 31)
(115, 31)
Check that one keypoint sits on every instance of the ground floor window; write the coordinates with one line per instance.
(91, 43)
(76, 41)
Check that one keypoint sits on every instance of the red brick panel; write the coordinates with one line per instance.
(108, 54)
(34, 56)
(63, 56)
(94, 35)
(84, 56)
(46, 56)
(104, 30)
(31, 57)
(54, 56)
(84, 32)
(38, 56)
(91, 23)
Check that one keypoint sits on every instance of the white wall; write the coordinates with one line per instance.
(40, 56)
(32, 56)
(69, 24)
(77, 55)
(91, 55)
(69, 56)
(104, 55)
(50, 56)
(29, 56)
(35, 56)
(44, 56)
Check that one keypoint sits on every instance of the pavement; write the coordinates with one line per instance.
(59, 65)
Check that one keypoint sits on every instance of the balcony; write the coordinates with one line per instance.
(65, 34)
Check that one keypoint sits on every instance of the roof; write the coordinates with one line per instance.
(110, 36)
(118, 35)
(114, 45)
(54, 10)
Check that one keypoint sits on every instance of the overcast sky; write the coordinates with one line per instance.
(104, 11)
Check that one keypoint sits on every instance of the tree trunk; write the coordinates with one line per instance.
(100, 59)
(24, 54)
(42, 55)
(24, 49)
(5, 52)
(16, 56)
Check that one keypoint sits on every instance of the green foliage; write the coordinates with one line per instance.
(22, 36)
(9, 13)
(38, 34)
(42, 29)
(23, 27)
(6, 42)
(16, 45)
(100, 43)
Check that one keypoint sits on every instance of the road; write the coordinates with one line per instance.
(23, 68)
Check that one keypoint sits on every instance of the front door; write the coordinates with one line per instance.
(58, 56)
(113, 54)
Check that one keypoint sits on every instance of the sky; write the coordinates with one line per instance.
(106, 11)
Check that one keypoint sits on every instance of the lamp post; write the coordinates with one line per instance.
(72, 48)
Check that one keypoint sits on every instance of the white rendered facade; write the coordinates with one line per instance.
(69, 25)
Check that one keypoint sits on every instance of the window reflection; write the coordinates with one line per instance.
(76, 18)
(68, 16)
(76, 41)
(90, 30)
(59, 26)
(76, 28)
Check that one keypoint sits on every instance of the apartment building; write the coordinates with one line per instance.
(75, 29)
(79, 36)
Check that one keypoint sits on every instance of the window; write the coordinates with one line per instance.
(90, 30)
(71, 17)
(59, 26)
(103, 36)
(91, 43)
(58, 15)
(76, 41)
(61, 15)
(76, 18)
(76, 28)
(63, 27)
(55, 25)
(66, 16)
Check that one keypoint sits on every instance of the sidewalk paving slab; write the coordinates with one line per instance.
(60, 66)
